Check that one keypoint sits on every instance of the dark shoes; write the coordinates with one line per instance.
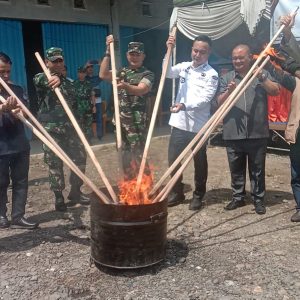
(196, 202)
(23, 223)
(175, 198)
(78, 197)
(234, 204)
(296, 216)
(259, 207)
(4, 222)
(60, 204)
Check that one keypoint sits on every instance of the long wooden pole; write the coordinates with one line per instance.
(116, 97)
(154, 113)
(230, 103)
(209, 122)
(79, 131)
(61, 155)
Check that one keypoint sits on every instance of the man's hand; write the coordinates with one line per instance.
(289, 22)
(171, 41)
(177, 107)
(231, 87)
(109, 40)
(122, 85)
(10, 104)
(54, 82)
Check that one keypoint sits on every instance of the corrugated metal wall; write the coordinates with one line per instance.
(80, 42)
(11, 43)
(126, 36)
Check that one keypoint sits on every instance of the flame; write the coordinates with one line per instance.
(127, 189)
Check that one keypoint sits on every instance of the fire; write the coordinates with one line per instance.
(128, 194)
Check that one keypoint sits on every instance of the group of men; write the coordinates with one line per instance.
(245, 127)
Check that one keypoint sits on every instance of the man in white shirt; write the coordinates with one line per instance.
(198, 83)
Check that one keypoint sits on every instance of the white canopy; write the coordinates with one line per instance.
(216, 19)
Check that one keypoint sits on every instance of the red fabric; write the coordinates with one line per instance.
(279, 106)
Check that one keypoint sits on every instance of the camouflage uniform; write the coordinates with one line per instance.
(133, 118)
(56, 122)
(84, 106)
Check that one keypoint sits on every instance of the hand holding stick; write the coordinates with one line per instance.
(155, 111)
(69, 163)
(79, 131)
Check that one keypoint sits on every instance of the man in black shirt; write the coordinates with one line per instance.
(246, 130)
(14, 155)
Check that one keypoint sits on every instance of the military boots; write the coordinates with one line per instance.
(59, 201)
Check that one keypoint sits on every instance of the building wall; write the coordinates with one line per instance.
(96, 12)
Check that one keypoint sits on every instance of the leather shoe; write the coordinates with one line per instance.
(259, 207)
(23, 223)
(78, 198)
(4, 222)
(234, 204)
(175, 198)
(196, 202)
(296, 216)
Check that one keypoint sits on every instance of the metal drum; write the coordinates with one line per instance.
(128, 236)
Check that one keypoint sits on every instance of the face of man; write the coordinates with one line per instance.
(90, 70)
(241, 59)
(200, 53)
(135, 59)
(81, 75)
(56, 66)
(5, 71)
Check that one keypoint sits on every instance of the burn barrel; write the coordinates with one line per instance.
(128, 236)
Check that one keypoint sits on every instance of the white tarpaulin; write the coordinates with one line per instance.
(285, 7)
(217, 19)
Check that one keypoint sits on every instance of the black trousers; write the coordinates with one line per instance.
(239, 152)
(14, 167)
(178, 141)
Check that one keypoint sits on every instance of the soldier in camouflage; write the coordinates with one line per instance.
(84, 106)
(134, 85)
(56, 122)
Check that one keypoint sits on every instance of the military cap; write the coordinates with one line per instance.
(136, 47)
(81, 69)
(54, 53)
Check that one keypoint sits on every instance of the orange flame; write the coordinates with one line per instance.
(128, 194)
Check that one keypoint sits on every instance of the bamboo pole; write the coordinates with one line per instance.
(230, 103)
(116, 97)
(209, 122)
(62, 156)
(79, 131)
(154, 113)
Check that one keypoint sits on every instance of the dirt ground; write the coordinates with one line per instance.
(211, 254)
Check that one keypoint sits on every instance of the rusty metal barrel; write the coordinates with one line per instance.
(128, 236)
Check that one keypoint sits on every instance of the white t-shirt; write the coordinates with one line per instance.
(197, 87)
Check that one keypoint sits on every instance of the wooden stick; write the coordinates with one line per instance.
(154, 113)
(79, 131)
(116, 97)
(166, 190)
(61, 155)
(209, 122)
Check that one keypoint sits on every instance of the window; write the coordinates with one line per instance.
(79, 4)
(146, 9)
(43, 2)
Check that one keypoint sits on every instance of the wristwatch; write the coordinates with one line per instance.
(262, 77)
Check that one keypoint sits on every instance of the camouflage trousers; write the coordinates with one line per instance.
(85, 123)
(133, 125)
(67, 138)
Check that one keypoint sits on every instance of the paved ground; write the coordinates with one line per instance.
(211, 254)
